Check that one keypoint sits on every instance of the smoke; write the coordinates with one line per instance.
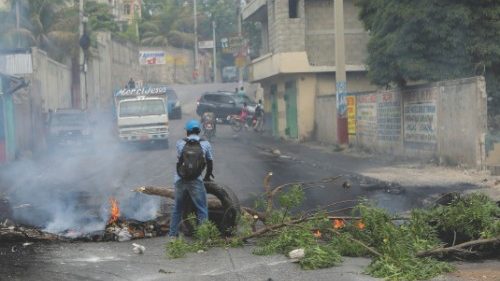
(70, 188)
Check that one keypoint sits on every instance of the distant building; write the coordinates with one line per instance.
(4, 5)
(296, 61)
(125, 11)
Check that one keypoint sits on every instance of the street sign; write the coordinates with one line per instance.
(232, 45)
(206, 44)
(240, 61)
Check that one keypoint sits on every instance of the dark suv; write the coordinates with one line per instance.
(68, 126)
(223, 104)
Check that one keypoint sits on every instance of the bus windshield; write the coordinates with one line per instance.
(142, 108)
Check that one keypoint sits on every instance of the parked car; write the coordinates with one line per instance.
(174, 105)
(68, 127)
(223, 104)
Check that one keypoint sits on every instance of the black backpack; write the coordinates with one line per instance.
(258, 111)
(192, 161)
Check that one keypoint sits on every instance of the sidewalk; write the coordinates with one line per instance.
(116, 261)
(384, 168)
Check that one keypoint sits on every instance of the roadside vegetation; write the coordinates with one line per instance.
(417, 246)
(433, 40)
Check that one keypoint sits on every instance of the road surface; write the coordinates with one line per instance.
(52, 188)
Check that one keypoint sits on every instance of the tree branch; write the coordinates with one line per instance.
(459, 247)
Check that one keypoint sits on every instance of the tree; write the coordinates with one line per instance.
(165, 22)
(100, 17)
(431, 40)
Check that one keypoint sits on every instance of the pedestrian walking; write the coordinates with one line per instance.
(193, 155)
(241, 91)
(259, 117)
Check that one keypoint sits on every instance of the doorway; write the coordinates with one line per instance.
(291, 129)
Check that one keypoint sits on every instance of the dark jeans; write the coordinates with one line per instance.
(198, 194)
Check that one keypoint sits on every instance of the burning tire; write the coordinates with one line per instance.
(225, 218)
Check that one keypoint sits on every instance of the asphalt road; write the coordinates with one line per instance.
(55, 185)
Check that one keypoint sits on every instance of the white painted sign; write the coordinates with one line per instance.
(152, 57)
(206, 44)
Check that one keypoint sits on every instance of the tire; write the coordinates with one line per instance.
(225, 219)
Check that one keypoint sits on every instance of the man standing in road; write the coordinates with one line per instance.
(259, 117)
(193, 154)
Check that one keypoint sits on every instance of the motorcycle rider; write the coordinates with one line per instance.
(244, 115)
(208, 118)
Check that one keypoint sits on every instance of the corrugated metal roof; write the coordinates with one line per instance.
(16, 64)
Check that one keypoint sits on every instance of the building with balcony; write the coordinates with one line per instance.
(296, 61)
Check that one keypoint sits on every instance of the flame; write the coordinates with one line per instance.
(115, 210)
(338, 223)
(360, 225)
(317, 233)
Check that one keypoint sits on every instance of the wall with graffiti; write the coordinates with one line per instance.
(445, 119)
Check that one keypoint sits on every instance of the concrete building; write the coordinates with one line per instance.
(296, 62)
(125, 11)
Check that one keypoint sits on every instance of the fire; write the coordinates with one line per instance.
(338, 223)
(360, 225)
(115, 210)
(317, 233)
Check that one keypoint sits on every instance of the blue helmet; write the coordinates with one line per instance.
(192, 124)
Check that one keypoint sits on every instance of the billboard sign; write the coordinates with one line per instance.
(206, 44)
(152, 57)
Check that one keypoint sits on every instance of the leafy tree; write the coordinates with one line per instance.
(100, 17)
(49, 25)
(431, 40)
(166, 22)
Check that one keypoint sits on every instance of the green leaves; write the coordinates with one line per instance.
(320, 257)
(292, 198)
(177, 248)
(433, 40)
(473, 216)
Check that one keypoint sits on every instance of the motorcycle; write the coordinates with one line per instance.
(208, 125)
(237, 123)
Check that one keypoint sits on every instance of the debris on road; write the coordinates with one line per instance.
(411, 247)
(138, 249)
(296, 254)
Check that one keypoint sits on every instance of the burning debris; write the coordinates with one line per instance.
(121, 229)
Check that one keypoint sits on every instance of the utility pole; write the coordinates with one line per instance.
(240, 69)
(18, 25)
(215, 52)
(195, 42)
(340, 73)
(78, 102)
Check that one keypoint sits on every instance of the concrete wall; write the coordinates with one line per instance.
(306, 93)
(320, 33)
(110, 67)
(53, 81)
(285, 34)
(445, 119)
(178, 68)
(326, 114)
(114, 62)
(49, 89)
